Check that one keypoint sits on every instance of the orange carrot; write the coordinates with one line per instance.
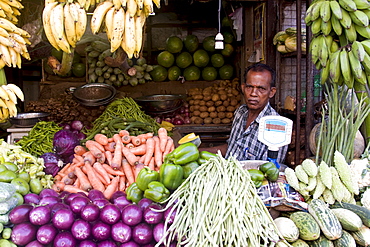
(152, 164)
(102, 158)
(129, 145)
(135, 140)
(80, 150)
(139, 150)
(95, 182)
(123, 133)
(88, 156)
(117, 156)
(122, 183)
(102, 180)
(131, 158)
(110, 146)
(137, 169)
(90, 143)
(101, 139)
(58, 186)
(162, 135)
(100, 170)
(150, 145)
(79, 158)
(110, 139)
(108, 156)
(85, 183)
(126, 139)
(157, 152)
(168, 147)
(128, 171)
(95, 150)
(65, 168)
(142, 159)
(58, 177)
(73, 189)
(111, 171)
(146, 135)
(77, 183)
(113, 187)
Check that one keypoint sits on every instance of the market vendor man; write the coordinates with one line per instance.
(243, 142)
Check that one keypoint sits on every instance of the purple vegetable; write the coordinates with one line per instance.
(87, 243)
(77, 125)
(46, 233)
(121, 232)
(169, 215)
(58, 206)
(64, 142)
(64, 239)
(80, 136)
(63, 219)
(49, 200)
(20, 213)
(130, 244)
(151, 244)
(151, 216)
(90, 212)
(144, 203)
(101, 231)
(34, 243)
(48, 192)
(121, 201)
(81, 230)
(71, 196)
(95, 194)
(132, 215)
(142, 233)
(158, 231)
(78, 203)
(52, 163)
(107, 243)
(101, 202)
(23, 233)
(64, 194)
(31, 198)
(40, 215)
(117, 193)
(110, 214)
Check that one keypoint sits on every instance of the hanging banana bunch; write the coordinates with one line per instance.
(89, 4)
(123, 22)
(10, 10)
(340, 45)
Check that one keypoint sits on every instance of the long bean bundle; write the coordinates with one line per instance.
(218, 205)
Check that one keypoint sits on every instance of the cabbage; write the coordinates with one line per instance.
(52, 163)
(64, 143)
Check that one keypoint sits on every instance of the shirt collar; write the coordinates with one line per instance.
(266, 110)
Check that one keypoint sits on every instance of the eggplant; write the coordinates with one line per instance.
(142, 233)
(132, 215)
(81, 230)
(34, 243)
(78, 203)
(153, 217)
(144, 203)
(48, 192)
(121, 201)
(31, 198)
(110, 214)
(101, 231)
(169, 215)
(46, 233)
(101, 202)
(107, 243)
(63, 219)
(121, 232)
(95, 194)
(130, 244)
(23, 233)
(87, 243)
(70, 197)
(90, 212)
(20, 213)
(64, 239)
(58, 206)
(158, 231)
(49, 200)
(117, 193)
(64, 194)
(40, 215)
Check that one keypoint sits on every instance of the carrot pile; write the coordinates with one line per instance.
(111, 164)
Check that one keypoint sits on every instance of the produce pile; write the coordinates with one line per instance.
(215, 104)
(286, 41)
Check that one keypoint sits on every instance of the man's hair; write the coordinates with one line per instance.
(260, 67)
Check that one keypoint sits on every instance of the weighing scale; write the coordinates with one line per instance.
(275, 132)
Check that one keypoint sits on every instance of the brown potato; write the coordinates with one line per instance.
(221, 115)
(196, 113)
(191, 108)
(207, 97)
(223, 96)
(233, 102)
(203, 108)
(196, 102)
(192, 119)
(216, 97)
(198, 120)
(221, 90)
(230, 108)
(221, 108)
(198, 96)
(210, 103)
(216, 121)
(235, 92)
(218, 103)
(225, 121)
(213, 114)
(211, 109)
(191, 102)
(204, 115)
(207, 120)
(229, 115)
(196, 107)
(202, 102)
(226, 103)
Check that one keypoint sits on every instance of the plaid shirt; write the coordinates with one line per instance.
(243, 143)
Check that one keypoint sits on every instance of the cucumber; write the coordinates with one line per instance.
(361, 211)
(345, 241)
(328, 222)
(321, 242)
(349, 220)
(299, 243)
(308, 228)
(362, 236)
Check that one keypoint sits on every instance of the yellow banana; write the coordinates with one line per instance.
(334, 67)
(131, 8)
(90, 4)
(158, 3)
(5, 55)
(348, 5)
(351, 33)
(16, 12)
(336, 9)
(2, 13)
(2, 103)
(69, 26)
(80, 25)
(123, 3)
(140, 4)
(109, 22)
(119, 27)
(82, 3)
(73, 7)
(19, 60)
(12, 108)
(6, 7)
(316, 26)
(11, 94)
(18, 38)
(325, 11)
(5, 112)
(326, 27)
(13, 56)
(363, 31)
(336, 26)
(362, 4)
(359, 17)
(17, 91)
(346, 20)
(57, 22)
(5, 41)
(358, 50)
(4, 33)
(129, 33)
(366, 63)
(2, 63)
(346, 69)
(7, 25)
(15, 4)
(117, 4)
(99, 15)
(148, 7)
(3, 94)
(139, 23)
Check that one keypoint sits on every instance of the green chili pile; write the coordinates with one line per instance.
(40, 138)
(218, 205)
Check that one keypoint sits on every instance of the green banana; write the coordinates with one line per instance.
(346, 20)
(334, 47)
(335, 24)
(351, 33)
(323, 52)
(326, 27)
(363, 31)
(308, 16)
(367, 12)
(279, 37)
(345, 68)
(314, 49)
(324, 74)
(362, 4)
(366, 44)
(336, 9)
(359, 17)
(362, 79)
(325, 11)
(318, 65)
(315, 13)
(328, 40)
(366, 63)
(334, 64)
(348, 5)
(358, 50)
(355, 64)
(316, 26)
(291, 31)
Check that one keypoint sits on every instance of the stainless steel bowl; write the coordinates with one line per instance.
(94, 94)
(28, 119)
(161, 102)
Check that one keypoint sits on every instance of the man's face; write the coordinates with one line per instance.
(257, 90)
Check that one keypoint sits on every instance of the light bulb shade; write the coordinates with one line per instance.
(219, 45)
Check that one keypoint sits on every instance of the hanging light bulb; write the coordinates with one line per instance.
(219, 39)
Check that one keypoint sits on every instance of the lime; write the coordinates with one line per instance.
(226, 21)
(184, 59)
(209, 73)
(209, 43)
(3, 168)
(11, 166)
(19, 197)
(217, 60)
(192, 73)
(21, 186)
(228, 37)
(25, 176)
(201, 58)
(173, 73)
(79, 69)
(174, 44)
(166, 59)
(228, 50)
(35, 185)
(57, 54)
(7, 176)
(226, 72)
(159, 73)
(191, 43)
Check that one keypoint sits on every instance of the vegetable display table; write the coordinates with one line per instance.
(16, 133)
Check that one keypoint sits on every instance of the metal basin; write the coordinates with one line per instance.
(94, 93)
(161, 102)
(28, 119)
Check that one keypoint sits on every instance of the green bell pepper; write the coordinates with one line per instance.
(257, 177)
(171, 175)
(145, 176)
(204, 156)
(183, 154)
(270, 170)
(156, 192)
(189, 168)
(133, 193)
